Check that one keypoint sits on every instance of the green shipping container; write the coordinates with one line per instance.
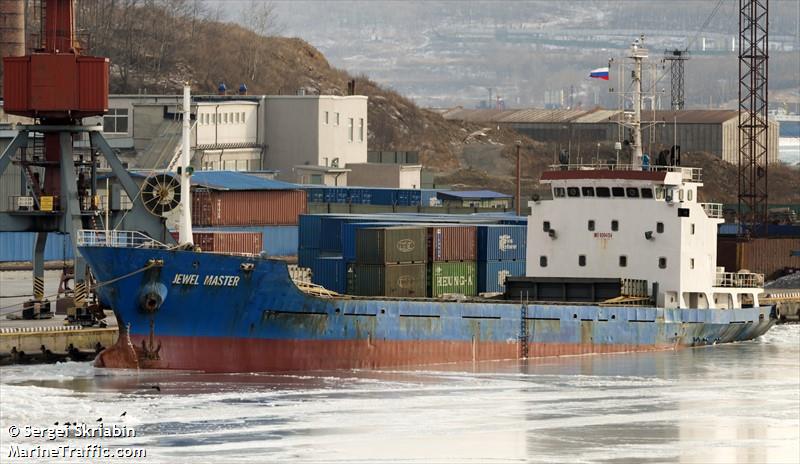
(397, 280)
(453, 277)
(392, 245)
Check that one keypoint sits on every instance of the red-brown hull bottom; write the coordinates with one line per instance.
(211, 354)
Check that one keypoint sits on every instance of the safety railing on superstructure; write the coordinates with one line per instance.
(688, 174)
(117, 239)
(739, 279)
(713, 210)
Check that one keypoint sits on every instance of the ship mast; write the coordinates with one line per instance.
(185, 171)
(638, 54)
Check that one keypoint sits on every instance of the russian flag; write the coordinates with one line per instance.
(599, 73)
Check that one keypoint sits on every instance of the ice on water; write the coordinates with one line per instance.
(727, 403)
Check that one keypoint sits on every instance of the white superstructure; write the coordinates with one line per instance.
(635, 223)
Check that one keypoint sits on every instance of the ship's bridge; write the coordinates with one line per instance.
(635, 222)
(670, 183)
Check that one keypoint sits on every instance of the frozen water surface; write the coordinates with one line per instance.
(724, 404)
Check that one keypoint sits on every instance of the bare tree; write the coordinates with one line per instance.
(260, 18)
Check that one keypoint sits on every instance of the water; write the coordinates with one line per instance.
(727, 404)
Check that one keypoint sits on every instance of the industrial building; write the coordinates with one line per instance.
(711, 131)
(314, 130)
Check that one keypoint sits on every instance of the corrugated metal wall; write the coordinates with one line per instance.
(275, 240)
(764, 255)
(18, 246)
(244, 208)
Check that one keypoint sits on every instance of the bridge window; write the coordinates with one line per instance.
(618, 192)
(543, 261)
(573, 192)
(632, 192)
(662, 262)
(558, 192)
(603, 192)
(680, 195)
(660, 227)
(614, 225)
(587, 191)
(591, 224)
(623, 261)
(689, 194)
(691, 229)
(581, 260)
(546, 226)
(659, 193)
(691, 263)
(647, 193)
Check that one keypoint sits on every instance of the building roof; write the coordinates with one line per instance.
(555, 116)
(473, 194)
(542, 116)
(692, 116)
(232, 180)
(223, 180)
(597, 116)
(476, 115)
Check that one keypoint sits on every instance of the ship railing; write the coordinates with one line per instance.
(739, 279)
(688, 174)
(713, 210)
(117, 239)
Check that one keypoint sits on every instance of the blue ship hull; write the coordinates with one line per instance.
(222, 313)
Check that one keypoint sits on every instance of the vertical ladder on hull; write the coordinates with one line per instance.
(523, 329)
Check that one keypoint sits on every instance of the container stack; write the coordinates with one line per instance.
(328, 246)
(501, 253)
(452, 250)
(232, 202)
(390, 261)
(371, 196)
(227, 242)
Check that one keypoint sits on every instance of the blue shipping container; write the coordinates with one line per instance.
(307, 256)
(331, 273)
(310, 226)
(18, 246)
(275, 240)
(492, 274)
(501, 242)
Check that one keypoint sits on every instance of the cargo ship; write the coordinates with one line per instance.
(621, 259)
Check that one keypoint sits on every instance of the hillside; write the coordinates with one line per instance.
(154, 48)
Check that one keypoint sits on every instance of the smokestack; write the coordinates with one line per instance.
(12, 30)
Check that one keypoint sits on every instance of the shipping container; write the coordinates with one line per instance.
(247, 207)
(18, 246)
(330, 272)
(501, 242)
(307, 256)
(391, 245)
(330, 238)
(309, 230)
(229, 242)
(452, 243)
(492, 274)
(453, 278)
(393, 280)
(280, 240)
(765, 255)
